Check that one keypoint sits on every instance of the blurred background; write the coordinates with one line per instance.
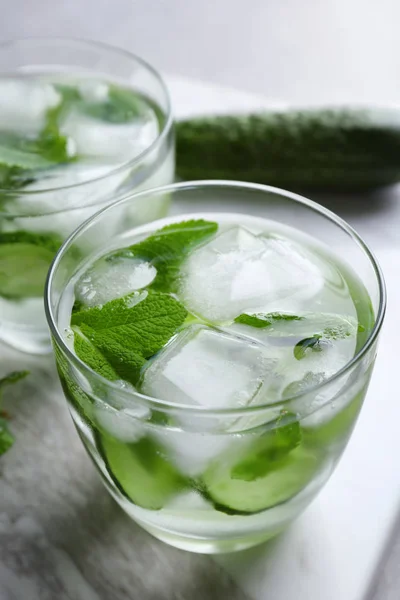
(319, 50)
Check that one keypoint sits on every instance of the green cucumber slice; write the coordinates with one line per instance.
(141, 471)
(24, 262)
(239, 496)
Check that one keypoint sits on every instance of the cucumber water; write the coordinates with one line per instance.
(216, 338)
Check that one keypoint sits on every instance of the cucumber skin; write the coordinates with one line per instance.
(335, 150)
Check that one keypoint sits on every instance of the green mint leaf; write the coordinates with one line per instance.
(25, 259)
(269, 449)
(22, 157)
(121, 106)
(20, 152)
(6, 437)
(263, 320)
(308, 344)
(11, 378)
(14, 178)
(169, 246)
(85, 350)
(51, 143)
(128, 330)
(110, 359)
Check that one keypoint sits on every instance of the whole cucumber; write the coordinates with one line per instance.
(325, 149)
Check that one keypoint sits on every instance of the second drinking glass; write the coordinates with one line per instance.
(80, 123)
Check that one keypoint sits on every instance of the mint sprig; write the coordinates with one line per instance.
(125, 332)
(6, 437)
(25, 258)
(168, 247)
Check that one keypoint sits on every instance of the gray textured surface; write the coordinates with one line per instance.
(61, 534)
(297, 51)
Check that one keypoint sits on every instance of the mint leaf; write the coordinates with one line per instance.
(92, 356)
(51, 143)
(263, 320)
(25, 259)
(16, 151)
(6, 437)
(11, 378)
(128, 330)
(112, 361)
(269, 449)
(301, 348)
(168, 247)
(14, 178)
(22, 157)
(121, 106)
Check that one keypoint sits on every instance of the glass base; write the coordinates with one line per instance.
(212, 532)
(208, 546)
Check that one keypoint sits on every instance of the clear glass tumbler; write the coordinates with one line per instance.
(219, 508)
(54, 212)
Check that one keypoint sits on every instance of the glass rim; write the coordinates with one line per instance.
(166, 405)
(86, 43)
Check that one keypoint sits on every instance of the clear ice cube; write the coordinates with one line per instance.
(59, 204)
(95, 138)
(203, 366)
(318, 364)
(238, 272)
(24, 103)
(110, 278)
(305, 325)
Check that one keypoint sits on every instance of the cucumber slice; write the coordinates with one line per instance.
(25, 259)
(141, 471)
(238, 496)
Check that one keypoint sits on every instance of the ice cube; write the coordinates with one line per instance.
(119, 424)
(123, 141)
(24, 103)
(113, 277)
(203, 366)
(192, 452)
(94, 91)
(301, 326)
(63, 204)
(317, 365)
(238, 271)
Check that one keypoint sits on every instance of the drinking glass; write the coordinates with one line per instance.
(43, 212)
(126, 433)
